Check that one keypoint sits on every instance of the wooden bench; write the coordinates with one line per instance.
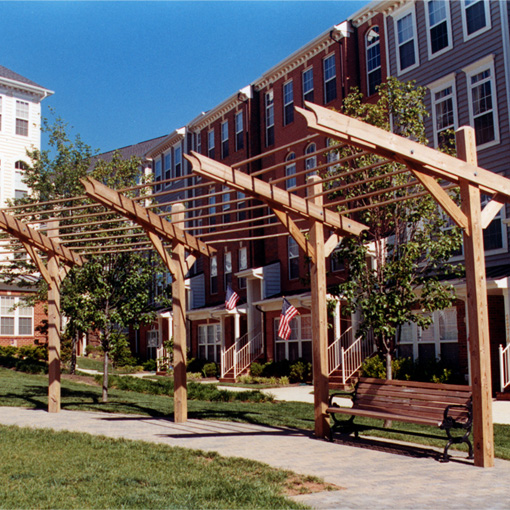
(446, 406)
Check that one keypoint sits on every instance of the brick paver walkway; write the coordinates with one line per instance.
(373, 475)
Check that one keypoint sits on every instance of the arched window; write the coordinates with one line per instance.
(373, 48)
(290, 169)
(311, 162)
(20, 189)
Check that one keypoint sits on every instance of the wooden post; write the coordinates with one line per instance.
(319, 320)
(179, 323)
(53, 328)
(483, 434)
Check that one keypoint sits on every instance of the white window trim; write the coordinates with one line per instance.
(367, 47)
(448, 29)
(223, 132)
(287, 123)
(436, 86)
(482, 30)
(237, 116)
(303, 82)
(416, 334)
(326, 81)
(402, 14)
(269, 107)
(475, 68)
(16, 316)
(203, 338)
(290, 240)
(297, 330)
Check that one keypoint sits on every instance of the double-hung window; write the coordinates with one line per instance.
(157, 173)
(329, 68)
(226, 204)
(293, 257)
(17, 321)
(239, 131)
(288, 103)
(444, 111)
(407, 46)
(241, 204)
(209, 342)
(269, 107)
(178, 161)
(22, 118)
(243, 264)
(199, 142)
(210, 143)
(308, 85)
(290, 170)
(20, 190)
(299, 344)
(476, 17)
(224, 139)
(373, 48)
(168, 166)
(227, 268)
(214, 275)
(212, 207)
(482, 102)
(439, 34)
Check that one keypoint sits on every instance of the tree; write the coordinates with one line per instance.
(110, 291)
(400, 265)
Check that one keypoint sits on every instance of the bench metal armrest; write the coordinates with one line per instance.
(341, 394)
(450, 422)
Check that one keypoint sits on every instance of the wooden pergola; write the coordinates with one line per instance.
(181, 219)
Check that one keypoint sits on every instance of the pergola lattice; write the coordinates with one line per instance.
(61, 233)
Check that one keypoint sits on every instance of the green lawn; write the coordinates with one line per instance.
(19, 389)
(45, 469)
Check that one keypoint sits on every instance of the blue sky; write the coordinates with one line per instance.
(125, 72)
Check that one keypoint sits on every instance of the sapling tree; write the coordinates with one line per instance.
(398, 269)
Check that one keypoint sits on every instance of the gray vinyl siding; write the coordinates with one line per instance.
(497, 157)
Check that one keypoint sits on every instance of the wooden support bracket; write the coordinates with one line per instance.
(491, 209)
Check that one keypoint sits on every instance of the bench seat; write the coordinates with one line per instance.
(445, 406)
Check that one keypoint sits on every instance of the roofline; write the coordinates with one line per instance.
(342, 30)
(174, 136)
(374, 7)
(26, 86)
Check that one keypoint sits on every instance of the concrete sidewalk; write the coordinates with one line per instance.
(372, 473)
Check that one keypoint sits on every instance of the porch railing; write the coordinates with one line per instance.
(335, 350)
(242, 353)
(349, 359)
(504, 366)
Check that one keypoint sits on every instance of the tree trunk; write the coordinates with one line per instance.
(74, 343)
(105, 377)
(389, 375)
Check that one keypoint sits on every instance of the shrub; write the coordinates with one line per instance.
(149, 365)
(93, 351)
(8, 350)
(195, 365)
(32, 366)
(194, 376)
(256, 369)
(34, 352)
(300, 371)
(210, 370)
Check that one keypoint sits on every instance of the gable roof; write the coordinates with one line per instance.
(13, 78)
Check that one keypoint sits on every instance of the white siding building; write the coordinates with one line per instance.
(20, 129)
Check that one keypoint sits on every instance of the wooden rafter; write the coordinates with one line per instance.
(399, 149)
(150, 221)
(38, 240)
(272, 195)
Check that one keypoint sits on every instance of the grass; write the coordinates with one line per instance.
(19, 389)
(97, 364)
(45, 469)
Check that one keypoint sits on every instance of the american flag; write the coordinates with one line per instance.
(288, 313)
(231, 299)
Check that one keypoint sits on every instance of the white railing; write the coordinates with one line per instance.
(504, 366)
(349, 359)
(335, 350)
(247, 354)
(242, 354)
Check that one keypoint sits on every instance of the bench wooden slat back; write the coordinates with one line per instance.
(411, 398)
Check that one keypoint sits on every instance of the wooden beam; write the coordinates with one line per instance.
(396, 148)
(294, 231)
(331, 244)
(38, 262)
(441, 197)
(163, 253)
(319, 322)
(491, 209)
(150, 221)
(272, 195)
(179, 324)
(54, 325)
(478, 317)
(38, 240)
